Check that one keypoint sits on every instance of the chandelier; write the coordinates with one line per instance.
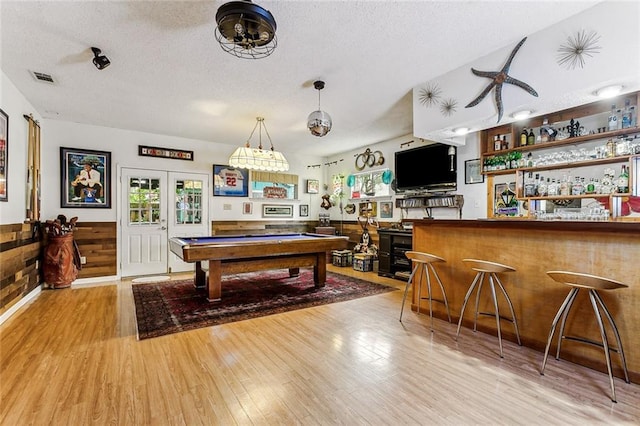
(246, 30)
(246, 157)
(319, 122)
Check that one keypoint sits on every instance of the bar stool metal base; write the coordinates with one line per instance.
(591, 283)
(484, 268)
(424, 263)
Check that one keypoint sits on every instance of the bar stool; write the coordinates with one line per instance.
(424, 262)
(578, 281)
(482, 268)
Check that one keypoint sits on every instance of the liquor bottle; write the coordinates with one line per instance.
(623, 180)
(565, 186)
(613, 119)
(544, 133)
(610, 149)
(591, 187)
(523, 136)
(496, 143)
(552, 188)
(626, 115)
(529, 186)
(531, 138)
(578, 187)
(505, 144)
(542, 187)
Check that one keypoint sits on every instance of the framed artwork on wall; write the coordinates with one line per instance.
(277, 210)
(386, 210)
(304, 210)
(85, 178)
(4, 155)
(230, 182)
(473, 172)
(313, 186)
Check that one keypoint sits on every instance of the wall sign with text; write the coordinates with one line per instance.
(173, 154)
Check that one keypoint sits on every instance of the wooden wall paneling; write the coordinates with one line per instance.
(97, 241)
(19, 260)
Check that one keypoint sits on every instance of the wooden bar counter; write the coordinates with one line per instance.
(609, 249)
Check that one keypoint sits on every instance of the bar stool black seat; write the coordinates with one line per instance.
(484, 268)
(424, 263)
(593, 284)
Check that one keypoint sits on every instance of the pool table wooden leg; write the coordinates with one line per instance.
(214, 286)
(320, 270)
(201, 276)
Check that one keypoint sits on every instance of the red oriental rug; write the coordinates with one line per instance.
(172, 306)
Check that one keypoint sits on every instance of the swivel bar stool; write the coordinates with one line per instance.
(482, 268)
(424, 262)
(592, 283)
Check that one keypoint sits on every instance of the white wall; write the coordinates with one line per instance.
(14, 104)
(475, 195)
(123, 145)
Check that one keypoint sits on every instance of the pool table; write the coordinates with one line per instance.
(234, 254)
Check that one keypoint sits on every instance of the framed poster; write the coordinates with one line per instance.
(230, 182)
(85, 178)
(4, 155)
(313, 186)
(304, 210)
(386, 210)
(277, 210)
(473, 172)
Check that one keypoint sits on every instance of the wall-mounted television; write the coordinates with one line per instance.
(428, 168)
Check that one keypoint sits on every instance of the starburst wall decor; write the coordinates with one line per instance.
(577, 47)
(430, 95)
(448, 106)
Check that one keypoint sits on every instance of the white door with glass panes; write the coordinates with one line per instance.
(158, 205)
(188, 213)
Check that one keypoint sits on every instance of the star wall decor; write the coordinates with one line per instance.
(430, 95)
(499, 78)
(572, 54)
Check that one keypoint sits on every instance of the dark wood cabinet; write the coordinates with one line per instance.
(392, 262)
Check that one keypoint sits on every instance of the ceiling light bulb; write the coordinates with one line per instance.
(520, 115)
(239, 29)
(609, 91)
(461, 131)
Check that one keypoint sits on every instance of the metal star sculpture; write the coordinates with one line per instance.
(499, 78)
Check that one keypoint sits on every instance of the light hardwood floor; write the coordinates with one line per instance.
(71, 357)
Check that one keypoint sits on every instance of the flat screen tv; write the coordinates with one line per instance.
(428, 168)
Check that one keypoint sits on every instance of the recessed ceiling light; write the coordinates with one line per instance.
(609, 91)
(461, 131)
(520, 115)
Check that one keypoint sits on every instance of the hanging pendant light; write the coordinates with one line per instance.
(246, 30)
(246, 157)
(319, 122)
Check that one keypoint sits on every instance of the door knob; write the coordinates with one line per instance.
(164, 228)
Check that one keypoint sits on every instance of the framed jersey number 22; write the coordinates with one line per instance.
(230, 182)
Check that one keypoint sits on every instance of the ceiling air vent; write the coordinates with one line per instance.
(40, 76)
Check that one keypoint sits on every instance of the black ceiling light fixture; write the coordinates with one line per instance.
(100, 61)
(246, 30)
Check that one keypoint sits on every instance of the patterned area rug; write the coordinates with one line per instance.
(173, 306)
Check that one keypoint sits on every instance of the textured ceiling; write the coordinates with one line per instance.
(169, 76)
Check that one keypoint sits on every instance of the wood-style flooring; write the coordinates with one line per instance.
(71, 357)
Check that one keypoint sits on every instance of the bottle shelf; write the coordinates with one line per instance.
(576, 197)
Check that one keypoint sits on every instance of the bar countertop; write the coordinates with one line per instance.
(560, 225)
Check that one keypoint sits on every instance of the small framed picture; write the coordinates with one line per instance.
(277, 210)
(304, 210)
(473, 172)
(313, 186)
(85, 178)
(386, 210)
(247, 208)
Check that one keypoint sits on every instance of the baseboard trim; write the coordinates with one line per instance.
(26, 299)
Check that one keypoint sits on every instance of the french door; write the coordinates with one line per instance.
(157, 205)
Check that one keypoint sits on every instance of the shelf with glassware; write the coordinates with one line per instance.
(510, 146)
(590, 142)
(429, 202)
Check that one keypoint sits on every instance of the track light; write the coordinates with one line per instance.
(100, 61)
